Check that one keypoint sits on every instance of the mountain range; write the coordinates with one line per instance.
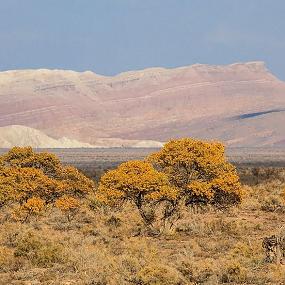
(242, 104)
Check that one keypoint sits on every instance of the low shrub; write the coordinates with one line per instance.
(39, 251)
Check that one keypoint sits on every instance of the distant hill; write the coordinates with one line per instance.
(242, 104)
(24, 136)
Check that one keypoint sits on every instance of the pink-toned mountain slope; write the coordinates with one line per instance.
(241, 104)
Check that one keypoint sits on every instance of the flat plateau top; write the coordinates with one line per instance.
(273, 157)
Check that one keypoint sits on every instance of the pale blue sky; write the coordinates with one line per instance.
(111, 36)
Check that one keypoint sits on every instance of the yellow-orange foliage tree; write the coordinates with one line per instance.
(200, 170)
(138, 182)
(27, 177)
(33, 207)
(68, 205)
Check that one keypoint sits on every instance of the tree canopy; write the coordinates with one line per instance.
(32, 179)
(200, 170)
(136, 181)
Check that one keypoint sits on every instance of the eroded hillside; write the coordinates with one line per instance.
(241, 104)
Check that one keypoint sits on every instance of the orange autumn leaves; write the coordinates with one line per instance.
(136, 181)
(186, 169)
(36, 180)
(200, 170)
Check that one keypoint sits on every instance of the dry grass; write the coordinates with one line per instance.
(100, 246)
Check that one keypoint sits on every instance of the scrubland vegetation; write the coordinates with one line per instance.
(181, 216)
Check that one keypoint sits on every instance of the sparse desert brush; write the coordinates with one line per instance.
(234, 272)
(250, 253)
(8, 262)
(272, 203)
(208, 224)
(198, 272)
(274, 274)
(39, 250)
(269, 174)
(251, 199)
(155, 274)
(228, 227)
(270, 195)
(283, 195)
